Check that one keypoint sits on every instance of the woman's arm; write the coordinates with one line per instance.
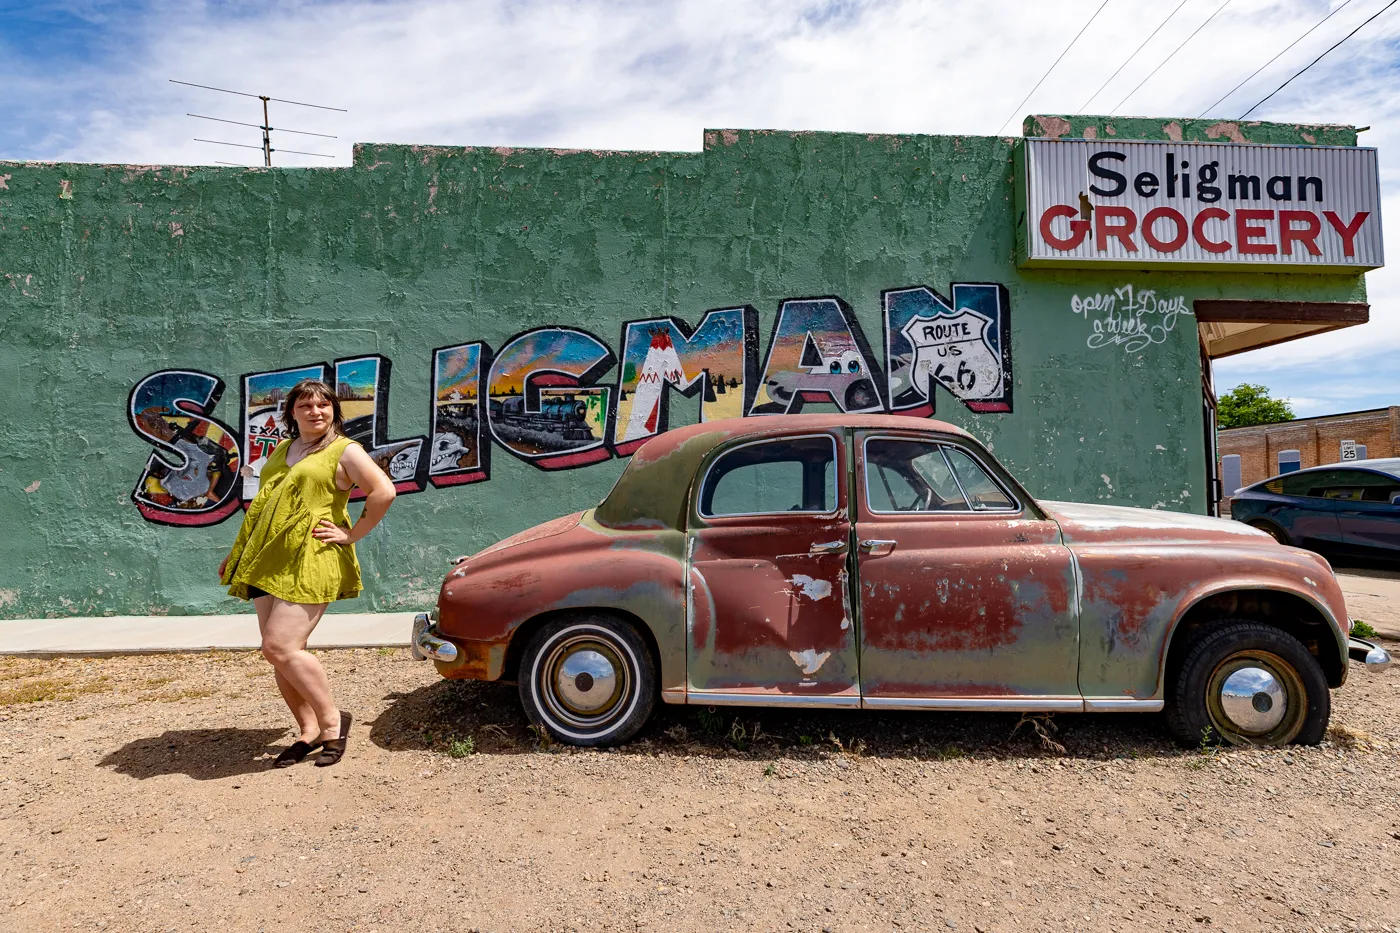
(379, 495)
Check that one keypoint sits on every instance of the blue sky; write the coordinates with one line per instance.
(87, 80)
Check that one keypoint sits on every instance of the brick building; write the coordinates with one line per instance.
(1248, 455)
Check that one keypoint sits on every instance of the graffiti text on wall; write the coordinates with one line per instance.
(542, 397)
(1129, 318)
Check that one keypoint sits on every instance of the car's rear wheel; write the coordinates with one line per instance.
(1245, 683)
(588, 679)
(1272, 530)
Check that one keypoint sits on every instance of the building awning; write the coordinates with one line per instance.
(1229, 326)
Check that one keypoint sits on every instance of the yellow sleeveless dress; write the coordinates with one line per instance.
(275, 550)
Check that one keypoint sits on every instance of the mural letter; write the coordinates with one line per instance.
(964, 347)
(717, 360)
(458, 454)
(543, 406)
(362, 383)
(194, 482)
(818, 353)
(263, 397)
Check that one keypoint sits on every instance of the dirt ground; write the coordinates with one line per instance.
(136, 794)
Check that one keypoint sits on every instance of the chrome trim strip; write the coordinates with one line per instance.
(704, 698)
(672, 696)
(781, 438)
(1122, 705)
(980, 704)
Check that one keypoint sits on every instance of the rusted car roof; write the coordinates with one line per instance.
(652, 492)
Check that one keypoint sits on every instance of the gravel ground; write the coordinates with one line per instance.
(135, 794)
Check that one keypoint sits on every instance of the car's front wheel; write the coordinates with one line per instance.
(588, 679)
(1245, 683)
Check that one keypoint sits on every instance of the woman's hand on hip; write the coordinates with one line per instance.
(223, 565)
(331, 533)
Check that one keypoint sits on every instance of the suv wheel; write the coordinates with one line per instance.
(1272, 530)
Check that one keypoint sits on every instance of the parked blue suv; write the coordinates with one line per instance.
(1348, 509)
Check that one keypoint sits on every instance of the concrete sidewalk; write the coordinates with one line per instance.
(1372, 595)
(108, 635)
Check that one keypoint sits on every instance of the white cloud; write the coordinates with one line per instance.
(651, 75)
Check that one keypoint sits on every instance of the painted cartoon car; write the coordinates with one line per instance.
(840, 376)
(883, 562)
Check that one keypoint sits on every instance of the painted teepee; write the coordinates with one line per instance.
(662, 365)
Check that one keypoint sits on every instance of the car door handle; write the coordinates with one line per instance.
(828, 547)
(877, 546)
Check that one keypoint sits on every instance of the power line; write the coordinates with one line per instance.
(266, 125)
(1318, 59)
(259, 96)
(1172, 55)
(258, 126)
(1275, 58)
(1084, 107)
(1056, 62)
(219, 142)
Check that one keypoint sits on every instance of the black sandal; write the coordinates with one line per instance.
(295, 753)
(332, 750)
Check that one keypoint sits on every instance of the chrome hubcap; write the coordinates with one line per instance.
(1254, 700)
(586, 681)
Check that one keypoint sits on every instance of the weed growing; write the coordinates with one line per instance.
(461, 747)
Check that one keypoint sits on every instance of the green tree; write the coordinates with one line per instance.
(1247, 404)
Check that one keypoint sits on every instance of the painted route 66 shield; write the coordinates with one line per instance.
(953, 349)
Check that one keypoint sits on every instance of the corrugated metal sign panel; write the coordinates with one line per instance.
(1150, 203)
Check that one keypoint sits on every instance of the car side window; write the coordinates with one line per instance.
(1311, 483)
(909, 476)
(1364, 486)
(1381, 493)
(1332, 484)
(789, 475)
(982, 491)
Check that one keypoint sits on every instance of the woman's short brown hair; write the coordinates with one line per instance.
(315, 388)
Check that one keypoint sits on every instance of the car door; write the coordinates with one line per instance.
(769, 619)
(1367, 518)
(966, 593)
(1297, 503)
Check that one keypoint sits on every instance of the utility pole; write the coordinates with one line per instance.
(266, 124)
(267, 134)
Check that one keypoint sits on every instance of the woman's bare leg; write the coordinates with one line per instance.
(307, 725)
(285, 632)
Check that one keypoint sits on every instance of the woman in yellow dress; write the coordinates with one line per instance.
(296, 552)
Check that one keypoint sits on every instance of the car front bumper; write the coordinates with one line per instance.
(1372, 655)
(426, 643)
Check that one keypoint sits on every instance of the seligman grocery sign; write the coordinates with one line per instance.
(1198, 204)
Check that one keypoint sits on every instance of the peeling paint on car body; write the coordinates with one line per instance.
(1035, 607)
(1142, 570)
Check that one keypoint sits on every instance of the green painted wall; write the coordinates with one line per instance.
(110, 273)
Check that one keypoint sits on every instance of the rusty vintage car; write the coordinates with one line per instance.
(884, 562)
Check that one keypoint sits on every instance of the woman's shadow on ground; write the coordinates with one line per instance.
(203, 754)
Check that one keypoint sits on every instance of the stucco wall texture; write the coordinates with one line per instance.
(110, 273)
